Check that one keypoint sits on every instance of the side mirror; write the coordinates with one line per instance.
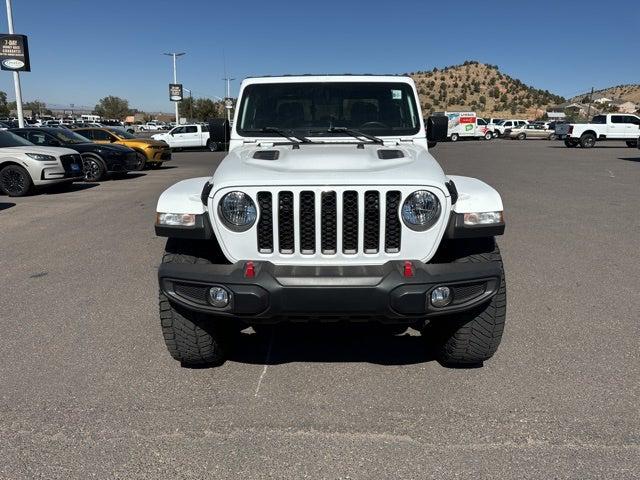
(437, 126)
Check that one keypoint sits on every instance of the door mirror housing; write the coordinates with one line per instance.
(437, 126)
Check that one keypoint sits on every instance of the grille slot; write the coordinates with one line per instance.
(350, 222)
(328, 224)
(371, 222)
(392, 223)
(307, 223)
(265, 224)
(285, 222)
(344, 223)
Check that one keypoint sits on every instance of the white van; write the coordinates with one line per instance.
(465, 125)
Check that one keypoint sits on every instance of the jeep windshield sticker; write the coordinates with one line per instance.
(396, 94)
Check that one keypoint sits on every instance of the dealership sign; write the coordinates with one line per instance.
(14, 53)
(175, 92)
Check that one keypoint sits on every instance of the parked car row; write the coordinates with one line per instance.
(42, 156)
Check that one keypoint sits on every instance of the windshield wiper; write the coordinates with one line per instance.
(289, 136)
(356, 134)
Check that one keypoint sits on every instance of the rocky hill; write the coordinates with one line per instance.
(629, 92)
(482, 88)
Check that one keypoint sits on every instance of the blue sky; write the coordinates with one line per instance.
(82, 50)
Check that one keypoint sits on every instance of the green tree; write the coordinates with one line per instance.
(112, 107)
(37, 107)
(4, 107)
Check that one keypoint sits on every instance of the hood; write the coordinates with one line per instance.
(55, 151)
(94, 147)
(142, 141)
(330, 164)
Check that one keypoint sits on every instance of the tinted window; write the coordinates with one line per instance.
(617, 119)
(8, 139)
(100, 135)
(191, 129)
(37, 138)
(632, 119)
(178, 130)
(85, 133)
(205, 128)
(481, 121)
(311, 108)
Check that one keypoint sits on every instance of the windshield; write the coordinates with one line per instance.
(313, 108)
(67, 136)
(8, 139)
(121, 133)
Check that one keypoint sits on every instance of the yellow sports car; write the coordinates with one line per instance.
(150, 152)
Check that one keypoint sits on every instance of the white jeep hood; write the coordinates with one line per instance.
(329, 164)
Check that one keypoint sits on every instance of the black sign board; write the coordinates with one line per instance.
(175, 92)
(14, 53)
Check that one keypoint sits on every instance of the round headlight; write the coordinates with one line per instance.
(421, 210)
(238, 211)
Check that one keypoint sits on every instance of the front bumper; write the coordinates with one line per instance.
(121, 163)
(158, 155)
(356, 293)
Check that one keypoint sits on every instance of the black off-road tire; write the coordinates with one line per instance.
(632, 143)
(15, 181)
(213, 146)
(588, 140)
(195, 340)
(470, 338)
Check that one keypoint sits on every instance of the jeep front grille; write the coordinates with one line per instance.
(349, 222)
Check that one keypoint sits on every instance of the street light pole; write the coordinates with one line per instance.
(175, 79)
(228, 80)
(16, 75)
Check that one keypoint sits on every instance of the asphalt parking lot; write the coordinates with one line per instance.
(89, 391)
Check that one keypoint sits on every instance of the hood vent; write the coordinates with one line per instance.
(266, 155)
(390, 154)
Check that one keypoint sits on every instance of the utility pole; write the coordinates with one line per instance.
(590, 100)
(228, 80)
(16, 75)
(175, 79)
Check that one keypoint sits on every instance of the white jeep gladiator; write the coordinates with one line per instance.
(612, 126)
(330, 208)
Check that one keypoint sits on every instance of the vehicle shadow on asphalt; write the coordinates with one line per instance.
(129, 176)
(166, 167)
(329, 343)
(6, 205)
(74, 187)
(630, 159)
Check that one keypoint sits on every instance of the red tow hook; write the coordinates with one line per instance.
(249, 270)
(408, 269)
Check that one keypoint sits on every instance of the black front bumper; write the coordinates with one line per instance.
(302, 293)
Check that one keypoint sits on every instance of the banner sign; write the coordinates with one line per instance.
(175, 92)
(14, 53)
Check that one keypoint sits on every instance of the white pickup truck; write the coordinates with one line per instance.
(188, 136)
(612, 126)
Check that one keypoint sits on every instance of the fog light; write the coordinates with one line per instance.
(218, 297)
(441, 296)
